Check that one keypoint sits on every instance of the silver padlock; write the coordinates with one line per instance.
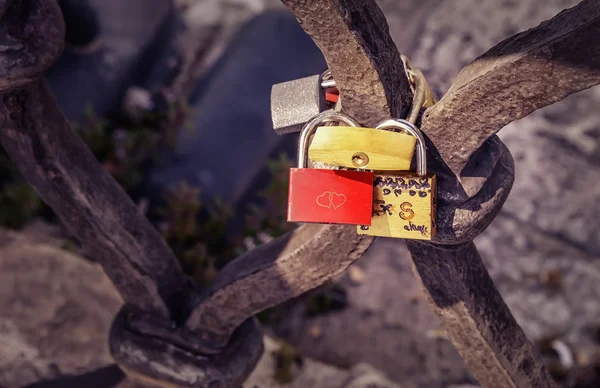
(295, 102)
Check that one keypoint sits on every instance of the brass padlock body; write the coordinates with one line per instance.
(404, 206)
(404, 203)
(357, 147)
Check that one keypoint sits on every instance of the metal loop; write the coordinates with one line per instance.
(327, 80)
(422, 95)
(410, 128)
(311, 126)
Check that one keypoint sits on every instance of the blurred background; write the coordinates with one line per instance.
(173, 99)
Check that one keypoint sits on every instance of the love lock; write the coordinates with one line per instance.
(404, 203)
(464, 208)
(293, 103)
(328, 196)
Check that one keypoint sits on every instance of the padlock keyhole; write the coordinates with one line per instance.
(360, 160)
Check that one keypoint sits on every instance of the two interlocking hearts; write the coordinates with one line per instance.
(331, 200)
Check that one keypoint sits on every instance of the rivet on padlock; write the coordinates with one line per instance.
(404, 204)
(295, 102)
(328, 196)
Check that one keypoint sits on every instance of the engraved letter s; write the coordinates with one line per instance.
(406, 213)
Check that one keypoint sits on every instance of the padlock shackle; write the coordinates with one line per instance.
(416, 132)
(327, 80)
(312, 125)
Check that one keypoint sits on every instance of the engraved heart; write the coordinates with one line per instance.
(337, 200)
(324, 199)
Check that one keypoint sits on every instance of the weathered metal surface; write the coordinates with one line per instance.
(523, 73)
(87, 200)
(159, 362)
(33, 35)
(477, 320)
(491, 192)
(273, 273)
(362, 57)
(370, 76)
(100, 215)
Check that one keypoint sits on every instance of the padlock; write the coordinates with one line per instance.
(404, 204)
(324, 195)
(357, 147)
(295, 102)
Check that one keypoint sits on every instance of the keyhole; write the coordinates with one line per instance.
(360, 160)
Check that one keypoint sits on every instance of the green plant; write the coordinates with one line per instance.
(18, 204)
(286, 357)
(325, 299)
(269, 219)
(195, 244)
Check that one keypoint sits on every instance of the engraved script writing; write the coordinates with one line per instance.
(418, 228)
(401, 183)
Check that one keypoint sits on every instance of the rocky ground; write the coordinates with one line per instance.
(542, 251)
(57, 308)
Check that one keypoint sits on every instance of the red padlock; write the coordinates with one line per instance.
(328, 196)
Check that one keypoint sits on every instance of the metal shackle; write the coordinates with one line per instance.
(312, 125)
(327, 80)
(412, 130)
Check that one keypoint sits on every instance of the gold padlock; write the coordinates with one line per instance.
(365, 148)
(404, 204)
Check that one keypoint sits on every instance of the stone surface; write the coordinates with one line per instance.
(521, 258)
(452, 35)
(311, 374)
(387, 324)
(314, 374)
(56, 312)
(131, 31)
(556, 151)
